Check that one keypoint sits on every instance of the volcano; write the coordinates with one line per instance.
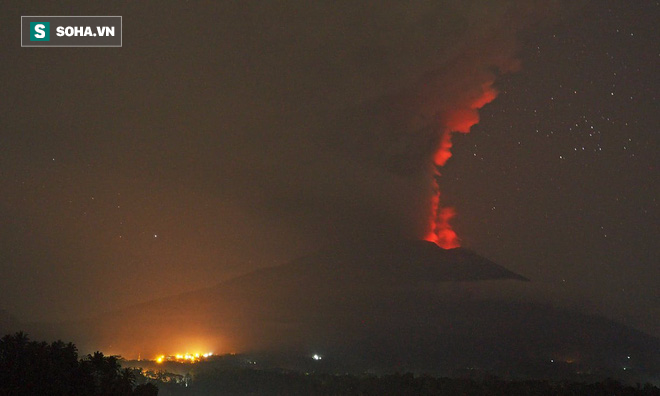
(383, 305)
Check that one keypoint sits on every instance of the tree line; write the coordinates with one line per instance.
(39, 368)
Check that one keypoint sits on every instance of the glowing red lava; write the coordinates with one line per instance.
(459, 119)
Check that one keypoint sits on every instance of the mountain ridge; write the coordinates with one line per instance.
(401, 305)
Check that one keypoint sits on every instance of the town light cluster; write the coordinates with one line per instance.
(184, 358)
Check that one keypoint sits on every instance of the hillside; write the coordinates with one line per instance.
(403, 305)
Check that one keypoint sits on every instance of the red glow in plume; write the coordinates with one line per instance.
(459, 119)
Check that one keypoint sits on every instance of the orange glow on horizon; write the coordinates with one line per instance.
(183, 357)
(460, 119)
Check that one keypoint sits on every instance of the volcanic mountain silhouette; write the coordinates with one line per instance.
(385, 305)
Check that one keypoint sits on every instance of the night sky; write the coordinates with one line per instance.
(226, 137)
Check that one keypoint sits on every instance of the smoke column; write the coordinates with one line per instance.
(357, 106)
(460, 119)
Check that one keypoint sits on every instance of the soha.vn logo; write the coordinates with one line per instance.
(40, 31)
(71, 31)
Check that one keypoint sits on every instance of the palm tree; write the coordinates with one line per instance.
(127, 377)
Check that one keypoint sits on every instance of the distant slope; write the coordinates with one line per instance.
(399, 305)
(407, 261)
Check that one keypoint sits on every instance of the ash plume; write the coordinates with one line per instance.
(370, 115)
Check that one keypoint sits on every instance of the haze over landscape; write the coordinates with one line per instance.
(299, 176)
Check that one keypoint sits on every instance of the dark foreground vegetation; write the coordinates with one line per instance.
(38, 368)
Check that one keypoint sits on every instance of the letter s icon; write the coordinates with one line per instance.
(39, 29)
